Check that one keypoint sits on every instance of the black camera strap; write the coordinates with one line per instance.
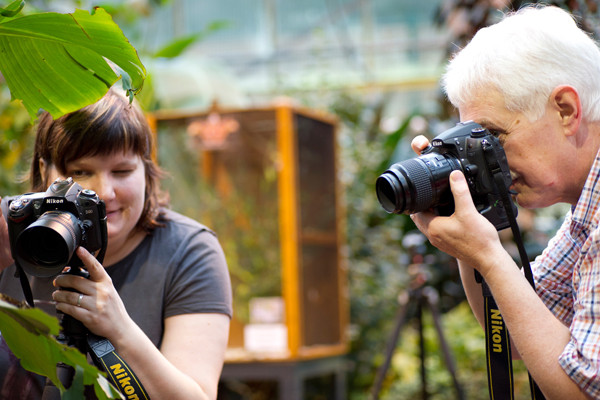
(20, 273)
(103, 354)
(498, 348)
(122, 377)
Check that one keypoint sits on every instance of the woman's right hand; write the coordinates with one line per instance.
(93, 301)
(6, 258)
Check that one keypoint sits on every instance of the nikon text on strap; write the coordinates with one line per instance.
(104, 356)
(498, 351)
(122, 377)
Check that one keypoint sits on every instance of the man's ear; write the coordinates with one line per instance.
(565, 100)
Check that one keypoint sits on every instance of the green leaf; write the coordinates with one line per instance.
(391, 142)
(30, 334)
(179, 45)
(12, 9)
(60, 62)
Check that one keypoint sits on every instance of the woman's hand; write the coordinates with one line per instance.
(95, 301)
(6, 258)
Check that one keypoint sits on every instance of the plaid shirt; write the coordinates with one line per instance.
(567, 277)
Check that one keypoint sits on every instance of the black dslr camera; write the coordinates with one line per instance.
(422, 183)
(45, 228)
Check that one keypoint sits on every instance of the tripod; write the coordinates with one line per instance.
(421, 296)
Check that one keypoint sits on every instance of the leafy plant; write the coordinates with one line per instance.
(379, 253)
(30, 334)
(246, 231)
(465, 336)
(58, 62)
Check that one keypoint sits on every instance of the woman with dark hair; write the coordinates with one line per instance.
(162, 296)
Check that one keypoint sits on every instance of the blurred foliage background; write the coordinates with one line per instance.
(380, 247)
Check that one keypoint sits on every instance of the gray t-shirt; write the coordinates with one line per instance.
(179, 269)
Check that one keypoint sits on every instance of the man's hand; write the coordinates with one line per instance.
(419, 143)
(466, 234)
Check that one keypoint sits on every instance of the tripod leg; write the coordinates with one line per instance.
(431, 299)
(392, 342)
(424, 394)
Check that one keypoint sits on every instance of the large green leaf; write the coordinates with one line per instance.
(30, 334)
(58, 62)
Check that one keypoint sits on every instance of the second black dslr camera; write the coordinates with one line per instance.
(45, 228)
(422, 183)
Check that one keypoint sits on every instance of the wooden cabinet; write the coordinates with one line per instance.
(266, 180)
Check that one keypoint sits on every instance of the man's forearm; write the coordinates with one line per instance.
(472, 291)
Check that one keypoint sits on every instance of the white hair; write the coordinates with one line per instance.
(525, 56)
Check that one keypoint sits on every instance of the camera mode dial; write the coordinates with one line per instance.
(478, 132)
(17, 205)
(88, 193)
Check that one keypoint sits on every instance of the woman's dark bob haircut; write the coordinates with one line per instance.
(110, 126)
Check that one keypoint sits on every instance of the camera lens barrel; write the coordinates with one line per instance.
(45, 247)
(45, 228)
(417, 184)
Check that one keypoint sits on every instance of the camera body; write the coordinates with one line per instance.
(45, 228)
(422, 183)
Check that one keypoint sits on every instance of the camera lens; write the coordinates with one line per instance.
(417, 184)
(45, 247)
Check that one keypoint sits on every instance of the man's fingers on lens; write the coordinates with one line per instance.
(419, 143)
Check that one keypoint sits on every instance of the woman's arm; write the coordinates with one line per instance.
(190, 360)
(189, 363)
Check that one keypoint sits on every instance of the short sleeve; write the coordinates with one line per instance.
(200, 281)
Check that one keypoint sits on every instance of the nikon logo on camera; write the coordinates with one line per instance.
(497, 328)
(55, 201)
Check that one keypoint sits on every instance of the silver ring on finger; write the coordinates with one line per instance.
(79, 299)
